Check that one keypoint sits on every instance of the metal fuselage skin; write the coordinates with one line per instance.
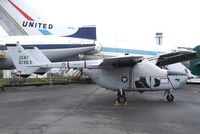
(143, 76)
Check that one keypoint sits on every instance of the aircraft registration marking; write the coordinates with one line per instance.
(23, 59)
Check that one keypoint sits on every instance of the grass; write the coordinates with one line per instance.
(34, 80)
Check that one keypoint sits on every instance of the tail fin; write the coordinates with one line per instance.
(23, 61)
(195, 63)
(38, 55)
(32, 23)
(15, 12)
(40, 58)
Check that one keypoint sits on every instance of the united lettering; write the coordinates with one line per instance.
(39, 25)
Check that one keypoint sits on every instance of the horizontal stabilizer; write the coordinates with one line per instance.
(87, 32)
(23, 61)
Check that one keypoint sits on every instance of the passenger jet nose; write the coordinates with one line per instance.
(177, 77)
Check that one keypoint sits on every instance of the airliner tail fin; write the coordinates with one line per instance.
(30, 22)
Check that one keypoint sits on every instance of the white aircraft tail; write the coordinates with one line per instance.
(32, 23)
(23, 61)
(38, 55)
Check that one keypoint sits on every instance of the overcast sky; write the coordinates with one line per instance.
(130, 21)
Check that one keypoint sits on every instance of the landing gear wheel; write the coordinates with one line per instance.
(121, 99)
(170, 98)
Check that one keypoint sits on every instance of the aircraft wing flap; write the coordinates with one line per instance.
(118, 62)
(175, 57)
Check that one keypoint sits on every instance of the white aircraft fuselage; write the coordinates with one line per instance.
(142, 77)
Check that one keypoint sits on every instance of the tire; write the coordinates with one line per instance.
(170, 98)
(121, 99)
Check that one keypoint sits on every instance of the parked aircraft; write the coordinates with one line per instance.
(194, 64)
(71, 41)
(121, 74)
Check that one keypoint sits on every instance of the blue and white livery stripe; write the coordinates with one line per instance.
(130, 51)
(44, 32)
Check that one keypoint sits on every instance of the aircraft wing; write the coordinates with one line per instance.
(175, 57)
(127, 61)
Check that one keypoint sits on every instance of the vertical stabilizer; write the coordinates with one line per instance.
(23, 61)
(38, 55)
(195, 63)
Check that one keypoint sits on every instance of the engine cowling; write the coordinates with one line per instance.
(97, 48)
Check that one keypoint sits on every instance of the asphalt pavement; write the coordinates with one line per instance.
(90, 109)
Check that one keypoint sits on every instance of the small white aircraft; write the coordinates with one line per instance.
(119, 74)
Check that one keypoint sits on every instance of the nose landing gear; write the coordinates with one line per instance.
(121, 99)
(169, 96)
